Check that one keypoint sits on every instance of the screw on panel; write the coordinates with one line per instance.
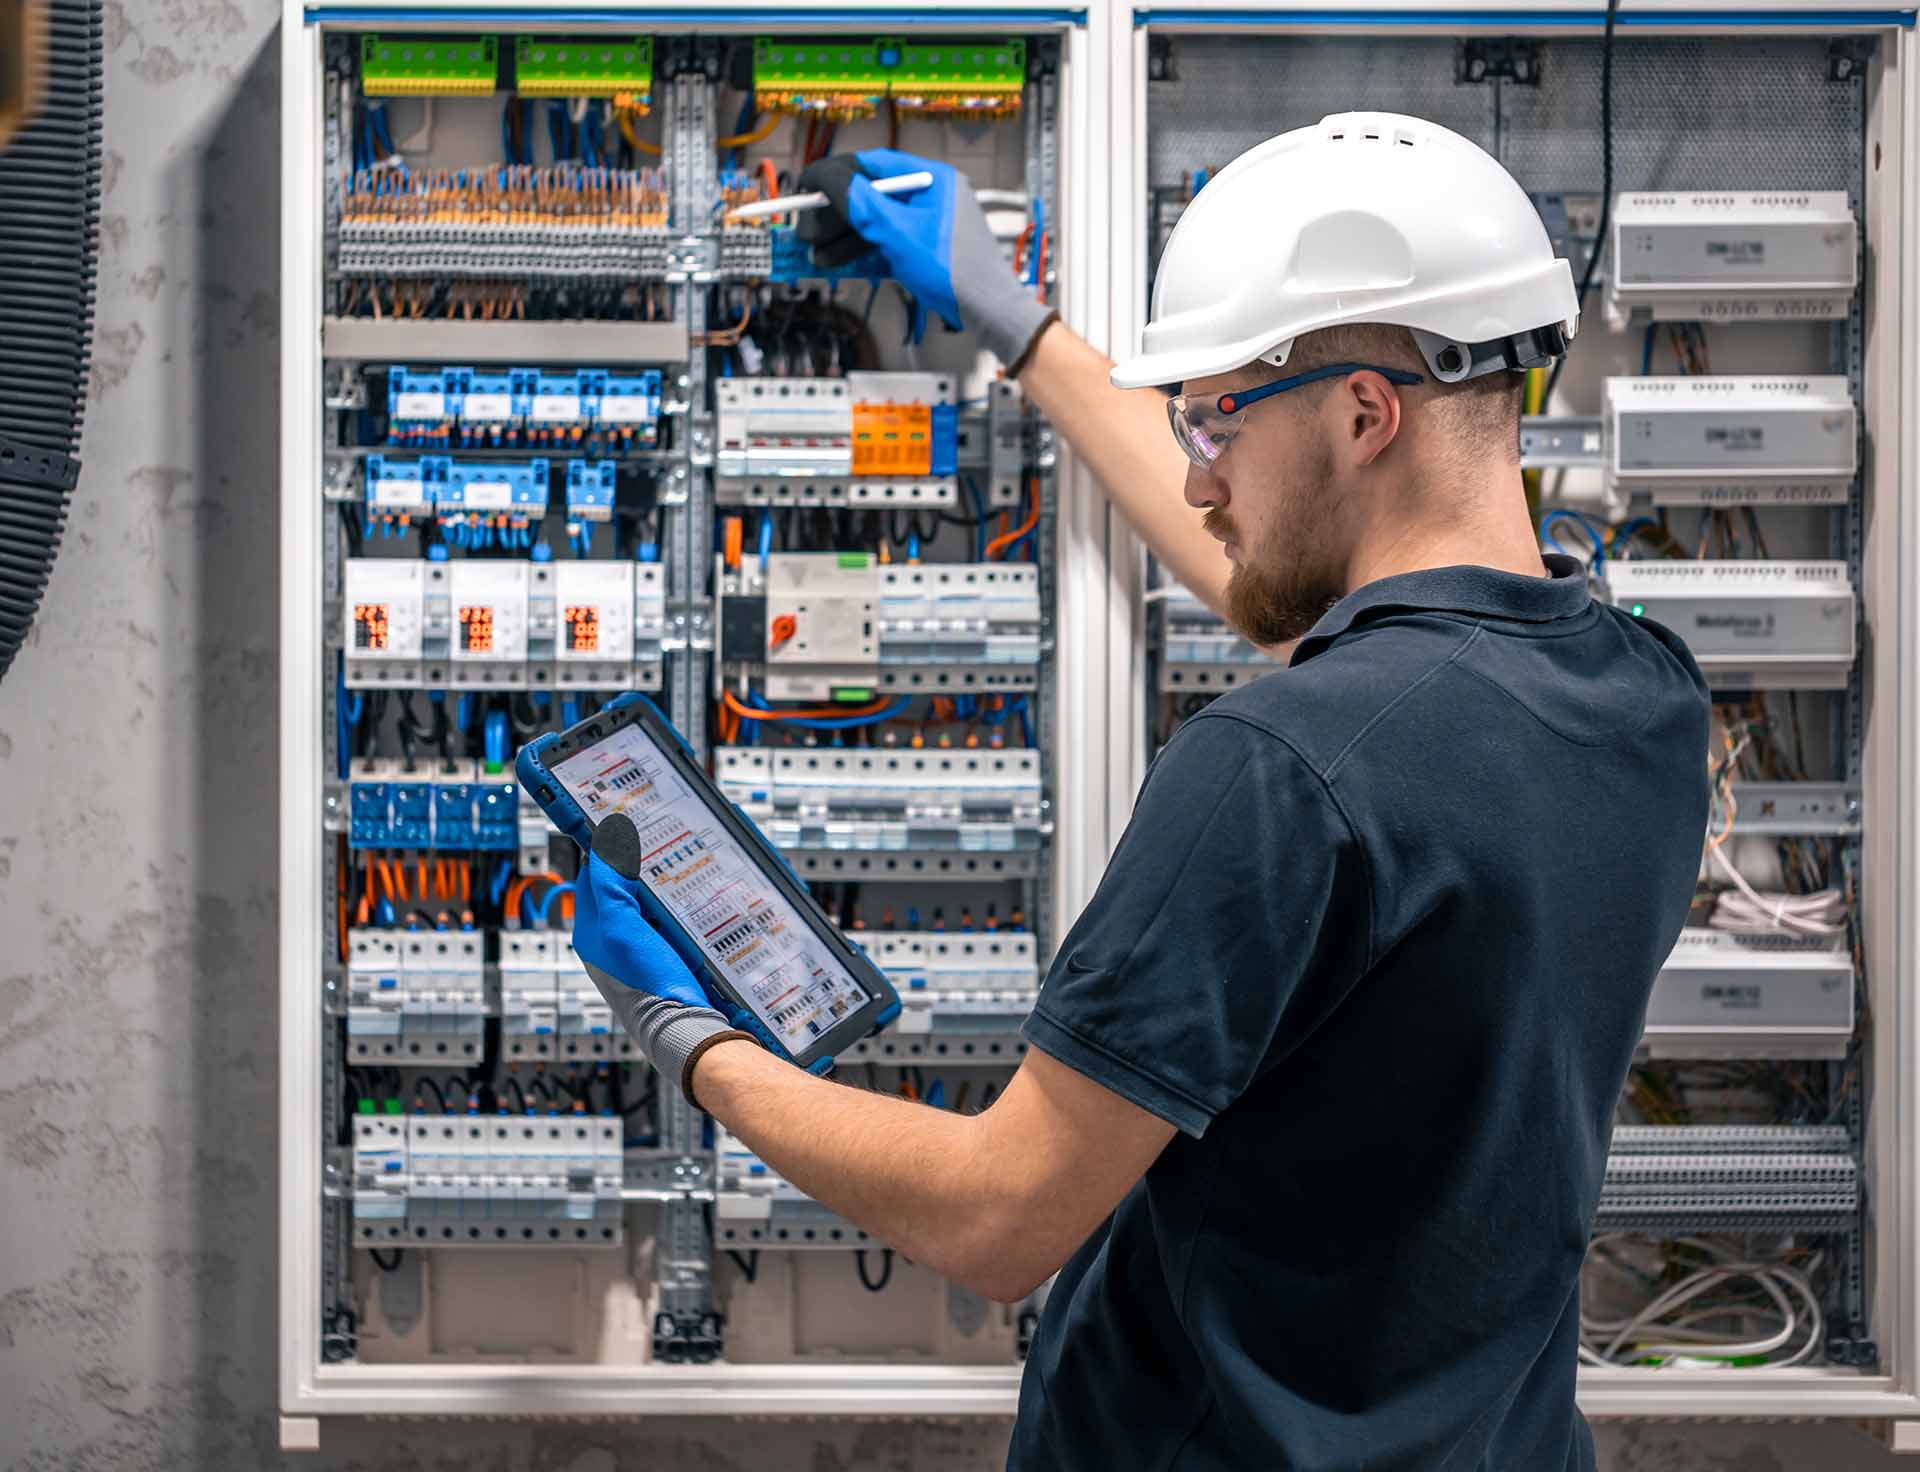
(1847, 58)
(1497, 59)
(1160, 66)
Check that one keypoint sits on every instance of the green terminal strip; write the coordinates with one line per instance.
(889, 67)
(817, 67)
(958, 67)
(429, 66)
(584, 67)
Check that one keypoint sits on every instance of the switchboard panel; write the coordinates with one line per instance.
(1727, 451)
(558, 425)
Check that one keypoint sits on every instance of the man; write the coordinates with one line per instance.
(1321, 1085)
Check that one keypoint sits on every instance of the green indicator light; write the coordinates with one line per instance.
(853, 559)
(366, 1106)
(1638, 609)
(393, 1106)
(850, 695)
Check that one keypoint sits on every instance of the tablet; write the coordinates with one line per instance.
(711, 883)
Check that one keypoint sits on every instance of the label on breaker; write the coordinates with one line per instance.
(626, 409)
(488, 407)
(390, 492)
(710, 884)
(487, 495)
(419, 406)
(556, 408)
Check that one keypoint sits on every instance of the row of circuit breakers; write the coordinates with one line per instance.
(825, 624)
(425, 996)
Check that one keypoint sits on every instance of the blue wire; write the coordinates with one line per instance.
(1026, 725)
(498, 888)
(546, 901)
(1646, 350)
(1006, 552)
(1593, 533)
(834, 723)
(344, 715)
(766, 539)
(496, 738)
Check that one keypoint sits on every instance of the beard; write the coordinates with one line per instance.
(1280, 589)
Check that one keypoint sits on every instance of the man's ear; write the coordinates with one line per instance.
(1370, 417)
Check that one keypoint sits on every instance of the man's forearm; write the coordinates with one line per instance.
(1121, 435)
(928, 1182)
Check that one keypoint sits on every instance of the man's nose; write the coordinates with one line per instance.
(1204, 489)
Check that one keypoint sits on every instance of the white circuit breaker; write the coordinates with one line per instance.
(887, 798)
(487, 1180)
(416, 997)
(1721, 440)
(594, 625)
(1198, 650)
(1732, 256)
(549, 1006)
(868, 439)
(393, 614)
(1751, 625)
(956, 980)
(489, 604)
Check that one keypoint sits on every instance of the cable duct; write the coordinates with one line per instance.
(49, 235)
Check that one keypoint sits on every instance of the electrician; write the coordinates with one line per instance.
(1318, 1101)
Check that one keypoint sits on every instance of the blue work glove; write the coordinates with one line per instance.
(650, 990)
(936, 243)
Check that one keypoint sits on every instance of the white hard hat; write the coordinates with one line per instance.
(1363, 217)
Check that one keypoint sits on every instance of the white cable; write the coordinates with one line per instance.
(1681, 1338)
(1007, 199)
(577, 109)
(1746, 911)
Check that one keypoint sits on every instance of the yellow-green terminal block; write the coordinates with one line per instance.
(429, 66)
(584, 66)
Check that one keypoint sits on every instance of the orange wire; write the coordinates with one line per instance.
(808, 713)
(340, 867)
(1006, 539)
(420, 871)
(761, 130)
(510, 906)
(466, 882)
(769, 179)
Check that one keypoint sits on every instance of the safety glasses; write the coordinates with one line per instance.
(1205, 426)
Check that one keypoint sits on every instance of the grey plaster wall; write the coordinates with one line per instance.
(137, 903)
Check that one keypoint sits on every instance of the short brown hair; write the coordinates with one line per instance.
(1484, 412)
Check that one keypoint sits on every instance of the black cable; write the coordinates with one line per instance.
(382, 1264)
(423, 1082)
(749, 1265)
(514, 1084)
(879, 1284)
(1606, 190)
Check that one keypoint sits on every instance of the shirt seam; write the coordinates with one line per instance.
(1333, 801)
(1380, 716)
(1653, 709)
(1127, 1065)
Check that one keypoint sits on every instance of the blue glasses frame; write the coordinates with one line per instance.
(1205, 435)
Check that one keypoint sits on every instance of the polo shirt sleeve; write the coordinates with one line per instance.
(1236, 904)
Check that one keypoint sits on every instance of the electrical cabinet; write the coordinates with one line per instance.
(558, 425)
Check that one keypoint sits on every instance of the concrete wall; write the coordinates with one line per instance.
(137, 859)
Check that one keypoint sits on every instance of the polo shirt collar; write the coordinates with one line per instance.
(1479, 592)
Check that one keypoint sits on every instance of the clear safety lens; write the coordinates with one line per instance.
(1203, 435)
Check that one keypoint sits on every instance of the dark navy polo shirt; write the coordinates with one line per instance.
(1378, 942)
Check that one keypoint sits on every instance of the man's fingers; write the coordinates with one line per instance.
(616, 843)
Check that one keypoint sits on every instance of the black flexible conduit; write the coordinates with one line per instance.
(49, 237)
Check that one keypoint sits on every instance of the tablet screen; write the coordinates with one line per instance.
(714, 887)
